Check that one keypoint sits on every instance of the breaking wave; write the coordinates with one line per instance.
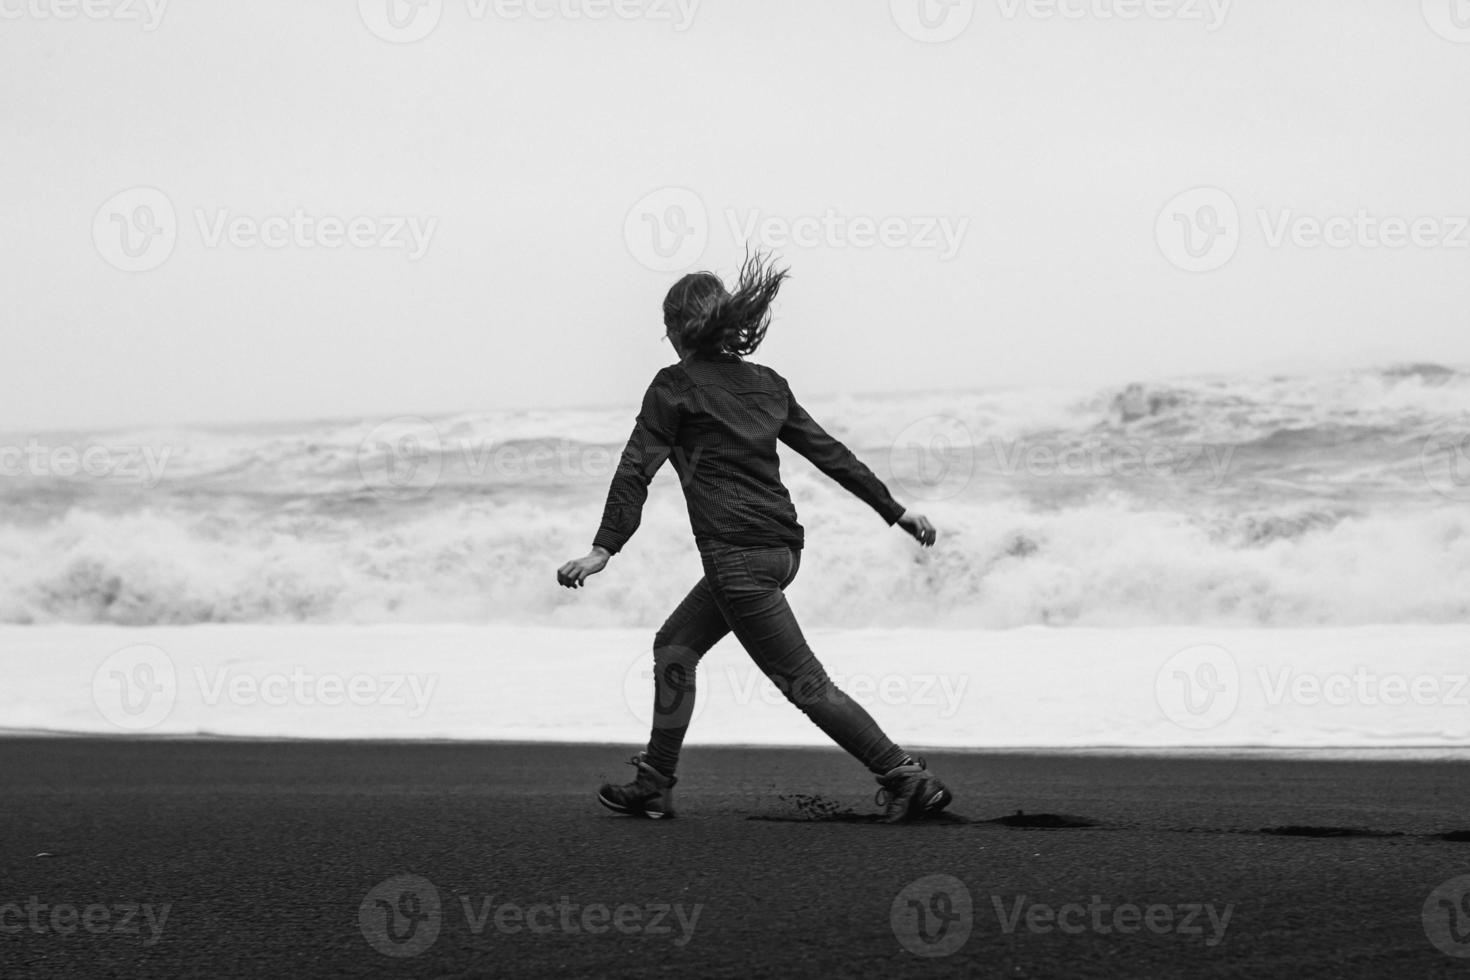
(1270, 501)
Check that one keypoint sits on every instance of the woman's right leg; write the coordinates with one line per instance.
(685, 637)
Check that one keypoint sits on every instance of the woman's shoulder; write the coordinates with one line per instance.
(768, 376)
(673, 377)
(765, 370)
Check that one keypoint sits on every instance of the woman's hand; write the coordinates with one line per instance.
(919, 527)
(575, 572)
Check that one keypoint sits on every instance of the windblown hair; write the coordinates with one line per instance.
(707, 317)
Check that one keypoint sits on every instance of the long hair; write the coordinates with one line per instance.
(709, 318)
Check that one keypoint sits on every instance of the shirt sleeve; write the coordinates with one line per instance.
(653, 439)
(802, 433)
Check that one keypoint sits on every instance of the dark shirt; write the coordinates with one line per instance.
(718, 417)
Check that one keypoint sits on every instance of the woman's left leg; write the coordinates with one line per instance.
(747, 585)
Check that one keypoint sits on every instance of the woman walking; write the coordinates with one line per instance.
(719, 418)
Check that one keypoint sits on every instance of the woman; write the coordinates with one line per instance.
(719, 418)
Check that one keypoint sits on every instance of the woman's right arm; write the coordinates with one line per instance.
(654, 434)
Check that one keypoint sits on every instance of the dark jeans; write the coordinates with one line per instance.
(741, 592)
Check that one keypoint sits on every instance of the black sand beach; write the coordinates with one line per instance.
(231, 859)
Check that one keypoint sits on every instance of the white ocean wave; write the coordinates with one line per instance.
(1310, 501)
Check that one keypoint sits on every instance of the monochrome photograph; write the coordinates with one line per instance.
(731, 488)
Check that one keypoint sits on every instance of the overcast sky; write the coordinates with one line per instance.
(486, 216)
